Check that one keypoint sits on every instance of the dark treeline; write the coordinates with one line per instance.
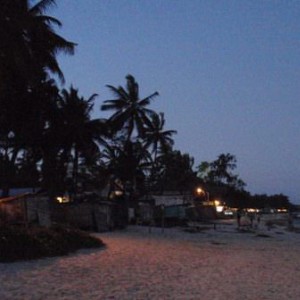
(48, 138)
(219, 178)
(244, 199)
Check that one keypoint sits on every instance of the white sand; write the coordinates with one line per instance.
(136, 264)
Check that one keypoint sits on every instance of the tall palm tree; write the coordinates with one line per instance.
(28, 49)
(81, 134)
(160, 141)
(29, 44)
(130, 111)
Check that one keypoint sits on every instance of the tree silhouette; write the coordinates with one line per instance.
(219, 172)
(156, 137)
(176, 172)
(28, 49)
(130, 112)
(80, 134)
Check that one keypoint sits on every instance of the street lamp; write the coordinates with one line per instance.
(200, 191)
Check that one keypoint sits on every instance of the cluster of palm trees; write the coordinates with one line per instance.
(138, 140)
(48, 138)
(47, 135)
(219, 172)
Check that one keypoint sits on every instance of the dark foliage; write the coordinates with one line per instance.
(176, 171)
(19, 243)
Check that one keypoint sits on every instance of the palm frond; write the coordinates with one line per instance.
(119, 92)
(112, 105)
(60, 44)
(48, 20)
(132, 87)
(42, 6)
(146, 101)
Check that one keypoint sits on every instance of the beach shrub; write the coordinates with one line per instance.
(19, 243)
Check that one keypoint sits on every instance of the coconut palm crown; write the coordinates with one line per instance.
(130, 112)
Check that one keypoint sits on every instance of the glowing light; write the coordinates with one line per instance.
(282, 210)
(64, 199)
(228, 212)
(199, 191)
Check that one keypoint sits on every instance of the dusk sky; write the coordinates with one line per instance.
(228, 74)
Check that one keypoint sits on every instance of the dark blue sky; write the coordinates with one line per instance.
(228, 74)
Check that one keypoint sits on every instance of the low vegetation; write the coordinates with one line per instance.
(19, 243)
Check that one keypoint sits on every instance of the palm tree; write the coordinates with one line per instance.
(128, 163)
(29, 44)
(125, 160)
(156, 137)
(130, 112)
(160, 141)
(221, 167)
(81, 134)
(219, 172)
(28, 50)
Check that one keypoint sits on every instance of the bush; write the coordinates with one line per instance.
(19, 243)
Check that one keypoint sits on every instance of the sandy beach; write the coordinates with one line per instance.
(174, 264)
